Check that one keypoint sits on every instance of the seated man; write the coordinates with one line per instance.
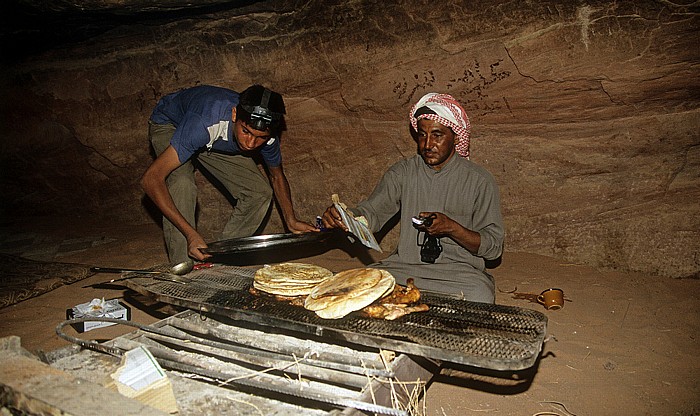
(222, 130)
(459, 198)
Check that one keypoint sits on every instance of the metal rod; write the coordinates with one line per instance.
(301, 366)
(333, 361)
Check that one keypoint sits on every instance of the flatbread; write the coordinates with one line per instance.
(346, 282)
(292, 272)
(340, 305)
(343, 286)
(283, 291)
(290, 279)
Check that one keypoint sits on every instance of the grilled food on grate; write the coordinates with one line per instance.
(374, 292)
(402, 295)
(290, 279)
(291, 300)
(390, 311)
(401, 301)
(348, 283)
(349, 291)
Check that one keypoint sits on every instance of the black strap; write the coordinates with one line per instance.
(265, 98)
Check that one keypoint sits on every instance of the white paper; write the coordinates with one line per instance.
(140, 369)
(358, 229)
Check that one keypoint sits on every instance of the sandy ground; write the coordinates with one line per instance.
(624, 344)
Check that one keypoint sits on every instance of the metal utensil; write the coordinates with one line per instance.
(178, 269)
(172, 275)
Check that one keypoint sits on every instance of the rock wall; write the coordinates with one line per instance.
(586, 113)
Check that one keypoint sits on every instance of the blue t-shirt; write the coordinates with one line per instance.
(202, 119)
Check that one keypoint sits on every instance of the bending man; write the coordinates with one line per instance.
(221, 130)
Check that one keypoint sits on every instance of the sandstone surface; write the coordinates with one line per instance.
(586, 113)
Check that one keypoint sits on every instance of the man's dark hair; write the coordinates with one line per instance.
(262, 109)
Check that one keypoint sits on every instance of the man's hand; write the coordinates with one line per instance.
(444, 226)
(299, 227)
(332, 219)
(195, 242)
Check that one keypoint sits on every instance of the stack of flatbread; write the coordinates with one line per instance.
(349, 291)
(290, 279)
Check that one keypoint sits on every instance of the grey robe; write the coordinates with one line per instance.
(462, 190)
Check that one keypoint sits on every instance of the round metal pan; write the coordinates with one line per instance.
(262, 242)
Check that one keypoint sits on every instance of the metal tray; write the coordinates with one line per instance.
(268, 241)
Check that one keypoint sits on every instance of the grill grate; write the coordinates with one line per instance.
(483, 335)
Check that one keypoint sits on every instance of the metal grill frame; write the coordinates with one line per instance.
(495, 337)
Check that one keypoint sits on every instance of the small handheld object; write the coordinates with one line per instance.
(431, 248)
(424, 221)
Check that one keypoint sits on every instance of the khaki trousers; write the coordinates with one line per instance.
(238, 174)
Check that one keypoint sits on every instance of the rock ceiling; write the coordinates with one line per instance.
(41, 25)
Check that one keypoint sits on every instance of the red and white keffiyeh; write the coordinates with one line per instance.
(448, 112)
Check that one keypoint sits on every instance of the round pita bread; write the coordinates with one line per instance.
(290, 279)
(339, 305)
(347, 282)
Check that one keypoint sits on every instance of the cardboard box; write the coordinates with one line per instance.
(112, 308)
